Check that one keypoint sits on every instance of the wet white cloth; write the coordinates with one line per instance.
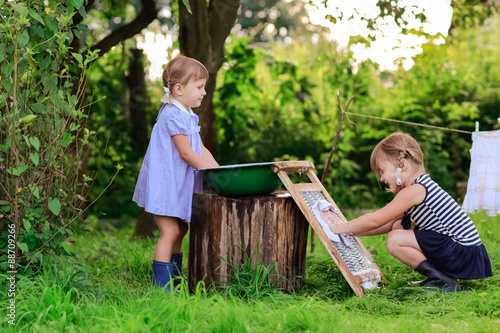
(323, 205)
(371, 284)
(483, 187)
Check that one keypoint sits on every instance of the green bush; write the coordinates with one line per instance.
(42, 130)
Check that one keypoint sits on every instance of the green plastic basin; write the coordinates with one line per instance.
(242, 180)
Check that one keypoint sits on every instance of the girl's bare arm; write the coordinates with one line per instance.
(188, 154)
(207, 156)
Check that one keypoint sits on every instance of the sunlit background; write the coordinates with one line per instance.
(389, 44)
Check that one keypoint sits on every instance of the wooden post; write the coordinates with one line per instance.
(224, 231)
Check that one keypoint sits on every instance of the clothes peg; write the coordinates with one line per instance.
(477, 126)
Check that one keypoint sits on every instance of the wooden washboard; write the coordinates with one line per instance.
(356, 264)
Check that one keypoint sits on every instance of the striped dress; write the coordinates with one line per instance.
(439, 212)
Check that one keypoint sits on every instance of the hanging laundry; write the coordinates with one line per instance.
(483, 187)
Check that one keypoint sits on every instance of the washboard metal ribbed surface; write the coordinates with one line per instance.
(355, 263)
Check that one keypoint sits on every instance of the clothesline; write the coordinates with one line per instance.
(408, 122)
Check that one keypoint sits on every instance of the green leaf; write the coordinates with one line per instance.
(51, 25)
(35, 142)
(78, 57)
(67, 247)
(36, 16)
(22, 246)
(7, 84)
(27, 224)
(8, 68)
(74, 126)
(20, 8)
(36, 192)
(77, 3)
(82, 12)
(27, 140)
(55, 206)
(24, 39)
(3, 51)
(18, 171)
(28, 118)
(188, 7)
(35, 158)
(67, 139)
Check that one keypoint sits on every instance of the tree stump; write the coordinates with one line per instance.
(225, 232)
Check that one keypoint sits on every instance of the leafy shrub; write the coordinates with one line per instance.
(42, 130)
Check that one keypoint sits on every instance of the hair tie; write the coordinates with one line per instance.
(165, 98)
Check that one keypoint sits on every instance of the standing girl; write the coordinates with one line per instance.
(428, 230)
(168, 178)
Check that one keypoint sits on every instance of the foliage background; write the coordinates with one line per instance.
(277, 101)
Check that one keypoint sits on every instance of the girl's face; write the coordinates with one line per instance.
(191, 94)
(387, 170)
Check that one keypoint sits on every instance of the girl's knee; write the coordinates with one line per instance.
(170, 232)
(392, 243)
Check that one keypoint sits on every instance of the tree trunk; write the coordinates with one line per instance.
(145, 226)
(202, 35)
(227, 232)
(137, 102)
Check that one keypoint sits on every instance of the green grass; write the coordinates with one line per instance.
(109, 290)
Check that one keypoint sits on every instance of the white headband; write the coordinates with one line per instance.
(165, 98)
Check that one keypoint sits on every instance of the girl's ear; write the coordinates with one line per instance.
(178, 89)
(404, 164)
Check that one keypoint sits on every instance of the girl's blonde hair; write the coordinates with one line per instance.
(399, 146)
(181, 69)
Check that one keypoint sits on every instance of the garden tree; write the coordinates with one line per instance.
(202, 34)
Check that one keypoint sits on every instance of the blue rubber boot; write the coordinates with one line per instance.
(162, 275)
(178, 276)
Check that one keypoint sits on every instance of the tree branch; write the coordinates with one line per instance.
(337, 135)
(148, 13)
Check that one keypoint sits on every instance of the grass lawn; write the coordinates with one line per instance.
(109, 291)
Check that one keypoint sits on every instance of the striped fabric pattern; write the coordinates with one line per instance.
(440, 213)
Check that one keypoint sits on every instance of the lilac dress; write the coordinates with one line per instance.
(166, 183)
